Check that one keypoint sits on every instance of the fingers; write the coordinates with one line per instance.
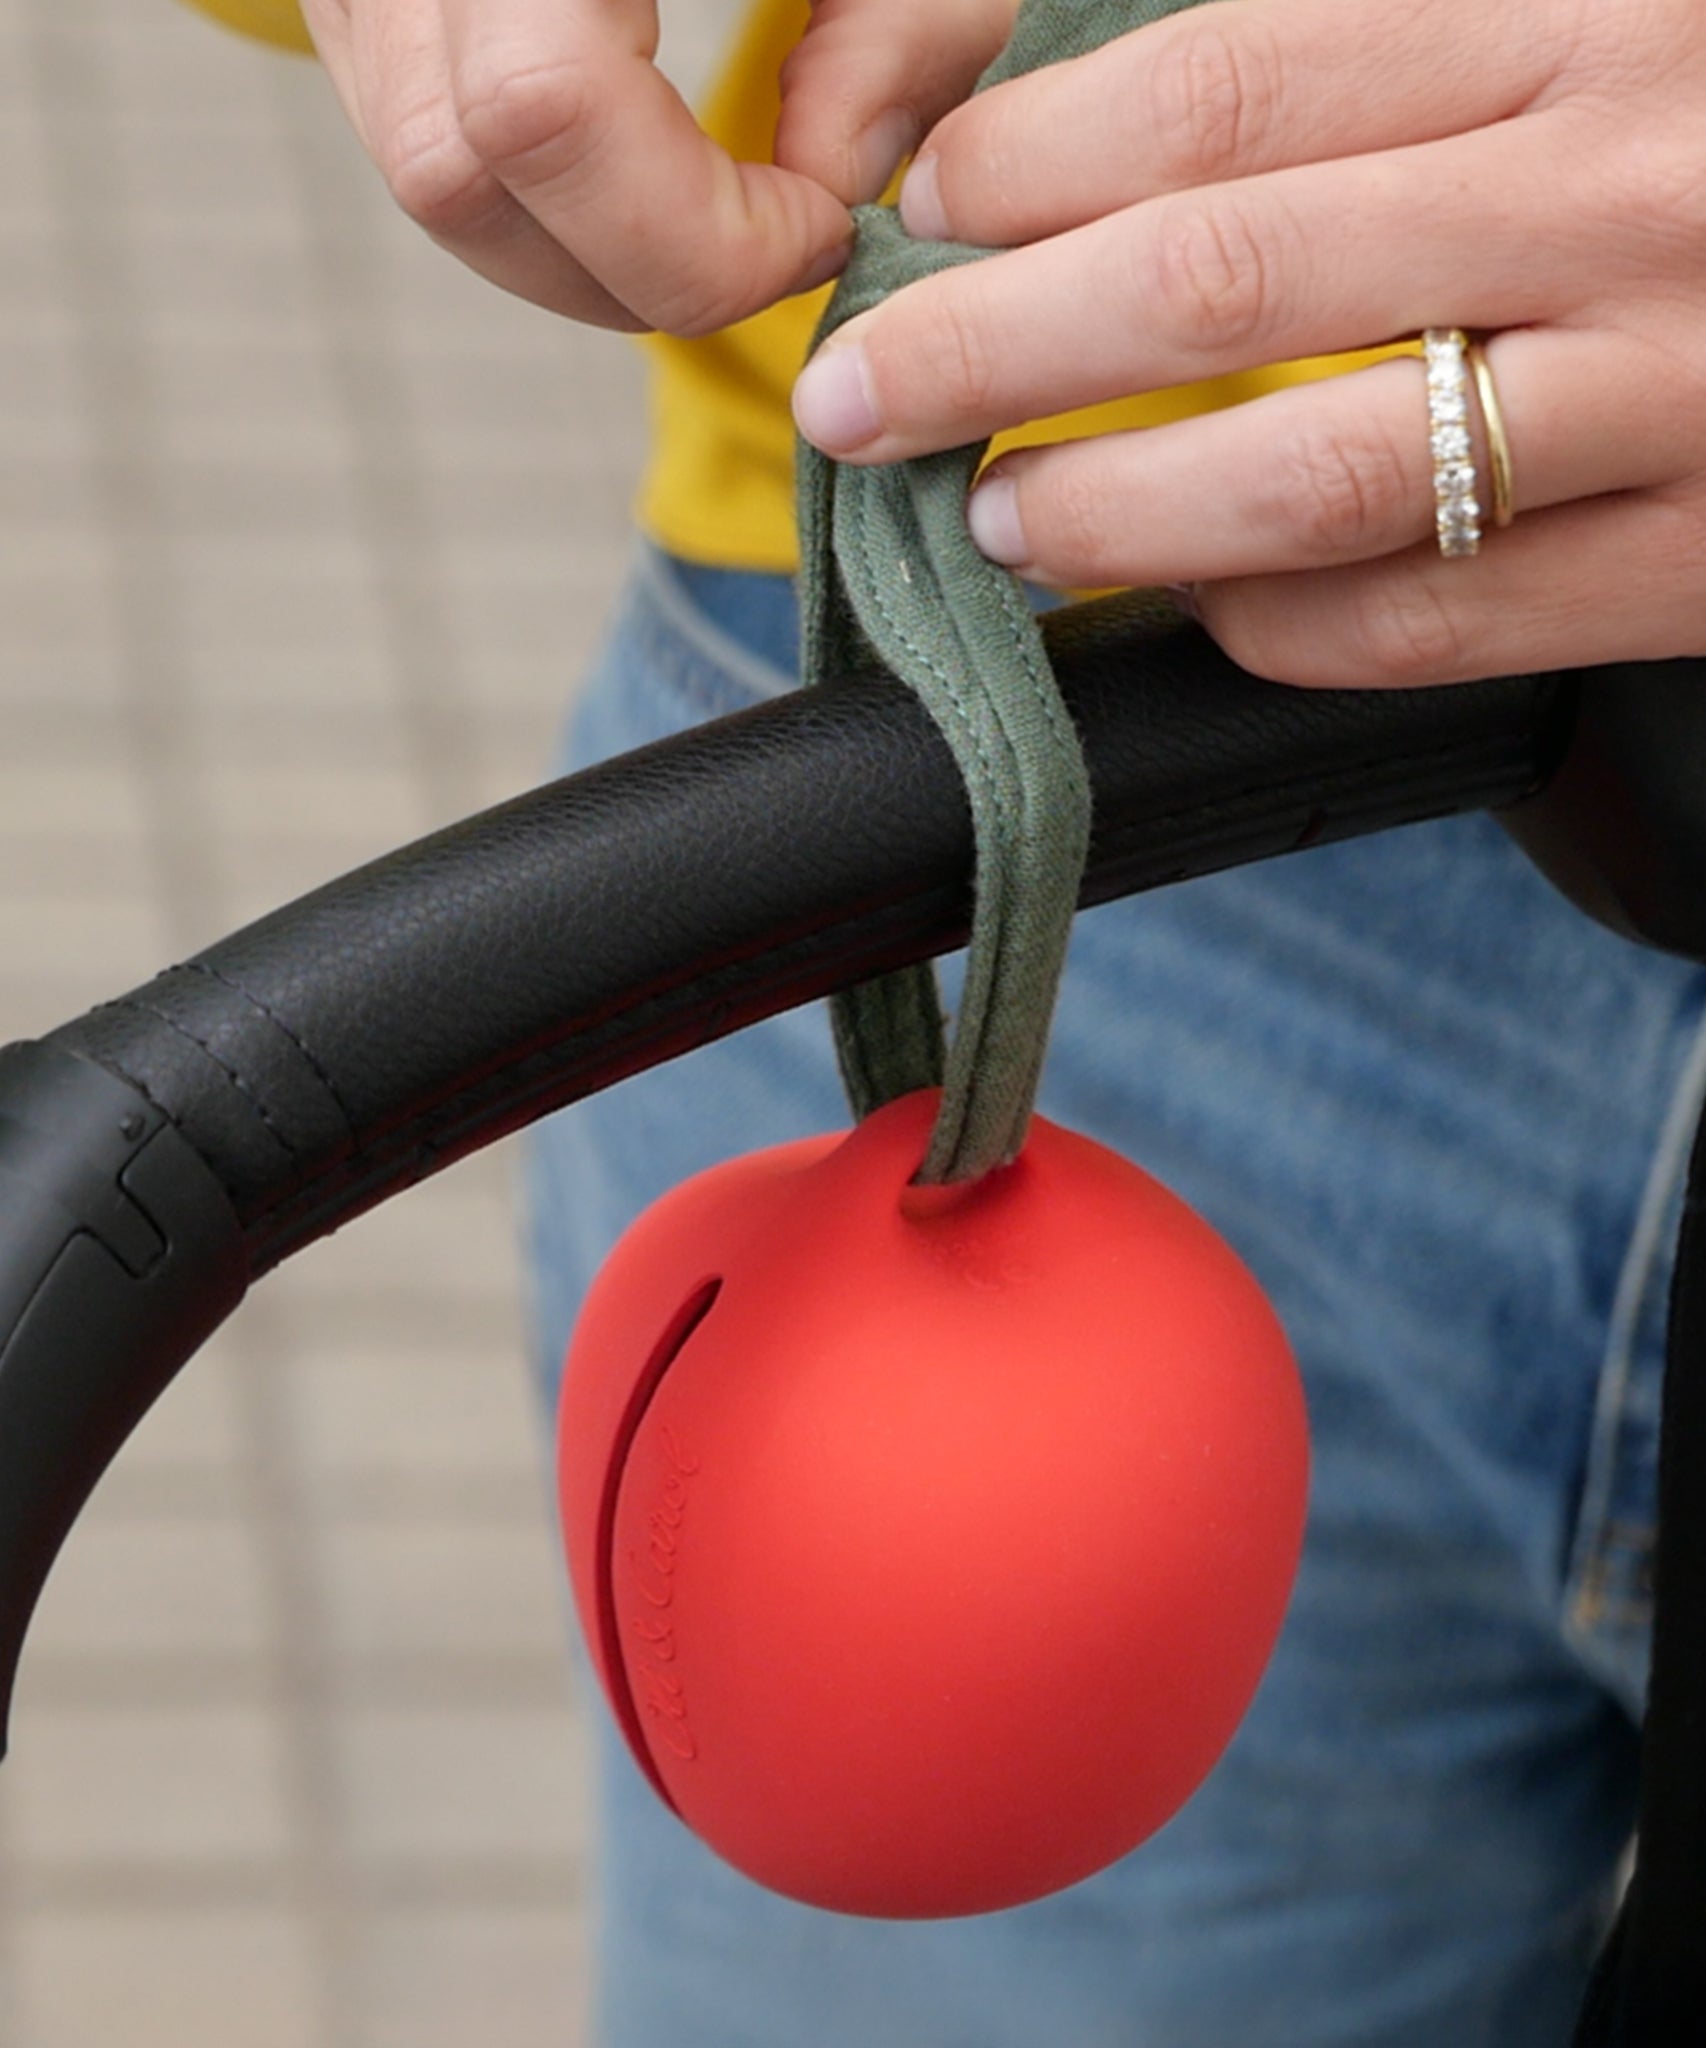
(1309, 261)
(1323, 474)
(405, 111)
(1226, 92)
(560, 102)
(537, 142)
(1604, 579)
(870, 77)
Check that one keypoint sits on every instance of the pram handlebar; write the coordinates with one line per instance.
(166, 1149)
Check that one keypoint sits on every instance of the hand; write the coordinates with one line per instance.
(869, 77)
(537, 141)
(1261, 180)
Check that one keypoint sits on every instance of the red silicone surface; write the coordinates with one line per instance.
(935, 1565)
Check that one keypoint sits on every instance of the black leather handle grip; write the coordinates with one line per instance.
(163, 1151)
(360, 1039)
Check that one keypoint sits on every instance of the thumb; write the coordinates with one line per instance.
(870, 78)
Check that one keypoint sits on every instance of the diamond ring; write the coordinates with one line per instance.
(1457, 508)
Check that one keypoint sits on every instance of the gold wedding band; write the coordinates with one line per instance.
(1498, 441)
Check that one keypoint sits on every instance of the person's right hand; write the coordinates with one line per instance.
(537, 141)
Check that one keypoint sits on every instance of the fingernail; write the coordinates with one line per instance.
(992, 513)
(830, 264)
(921, 202)
(878, 151)
(833, 406)
(1184, 596)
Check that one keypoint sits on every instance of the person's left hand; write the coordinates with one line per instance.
(1259, 180)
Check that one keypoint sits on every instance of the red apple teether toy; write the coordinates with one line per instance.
(930, 1543)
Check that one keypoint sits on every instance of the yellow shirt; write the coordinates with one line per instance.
(274, 21)
(719, 484)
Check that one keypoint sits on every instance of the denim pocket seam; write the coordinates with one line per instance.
(1600, 1532)
(692, 653)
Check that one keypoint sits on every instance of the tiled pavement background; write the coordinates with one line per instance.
(303, 535)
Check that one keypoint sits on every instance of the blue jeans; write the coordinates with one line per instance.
(1444, 1118)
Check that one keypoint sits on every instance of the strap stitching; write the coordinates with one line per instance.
(956, 697)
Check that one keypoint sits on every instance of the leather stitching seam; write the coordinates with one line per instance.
(272, 1016)
(231, 1074)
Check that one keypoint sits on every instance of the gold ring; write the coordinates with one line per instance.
(1498, 441)
(1457, 508)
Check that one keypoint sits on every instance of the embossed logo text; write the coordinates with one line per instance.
(658, 1691)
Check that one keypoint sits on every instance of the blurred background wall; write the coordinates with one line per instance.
(304, 536)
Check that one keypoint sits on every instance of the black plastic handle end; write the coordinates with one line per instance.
(119, 1255)
(1621, 827)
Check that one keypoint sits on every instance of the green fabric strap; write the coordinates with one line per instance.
(887, 568)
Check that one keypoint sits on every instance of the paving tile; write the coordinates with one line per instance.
(166, 1786)
(61, 602)
(281, 500)
(504, 564)
(20, 148)
(515, 755)
(271, 611)
(182, 1979)
(258, 876)
(38, 376)
(422, 1586)
(434, 307)
(39, 304)
(227, 177)
(477, 504)
(176, 52)
(229, 423)
(278, 379)
(25, 201)
(48, 736)
(237, 658)
(42, 1000)
(130, 1587)
(83, 668)
(184, 1489)
(234, 728)
(40, 492)
(368, 1408)
(207, 287)
(346, 803)
(539, 677)
(515, 1978)
(97, 945)
(452, 1238)
(91, 799)
(442, 1786)
(196, 1421)
(455, 402)
(67, 864)
(528, 615)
